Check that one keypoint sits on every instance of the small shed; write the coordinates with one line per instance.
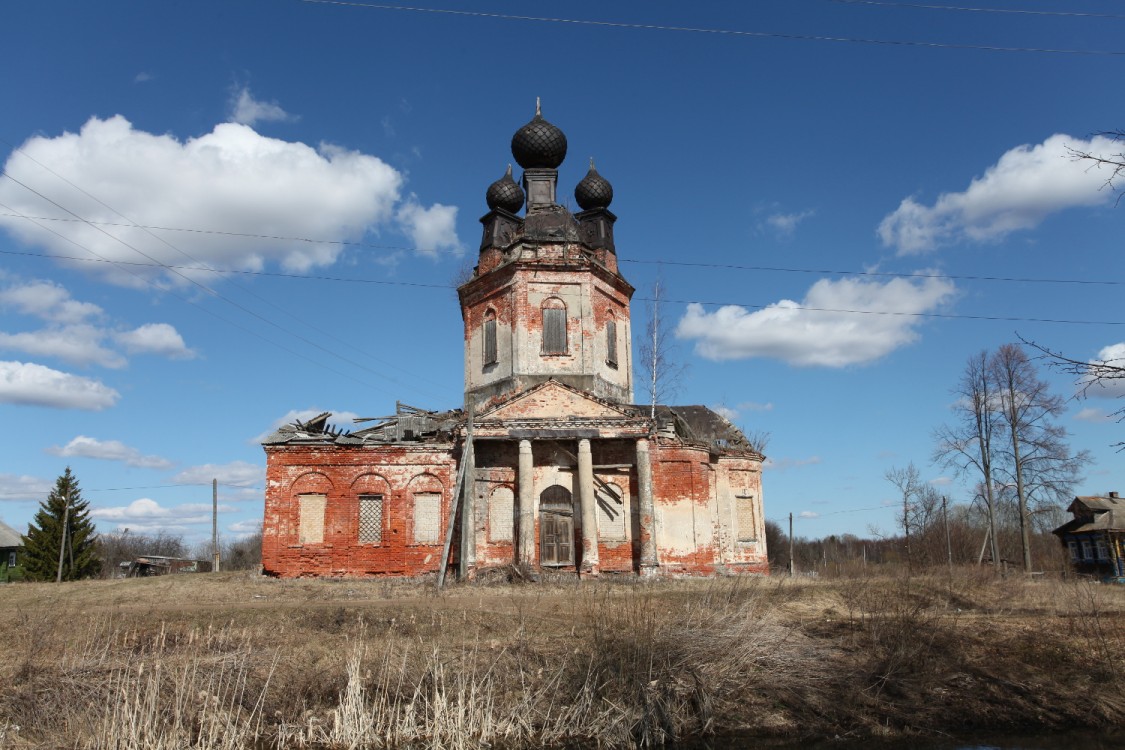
(160, 565)
(1095, 536)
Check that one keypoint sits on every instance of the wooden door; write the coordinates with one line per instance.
(556, 539)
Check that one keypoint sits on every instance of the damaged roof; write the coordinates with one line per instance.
(701, 424)
(1108, 514)
(407, 425)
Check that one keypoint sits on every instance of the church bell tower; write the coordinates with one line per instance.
(546, 299)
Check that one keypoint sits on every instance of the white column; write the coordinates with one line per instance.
(589, 508)
(527, 506)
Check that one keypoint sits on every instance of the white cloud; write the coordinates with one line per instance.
(941, 481)
(785, 464)
(808, 514)
(143, 77)
(30, 384)
(246, 110)
(154, 338)
(785, 224)
(824, 336)
(1092, 415)
(232, 180)
(1027, 184)
(76, 344)
(430, 229)
(756, 406)
(234, 474)
(341, 420)
(24, 487)
(725, 411)
(147, 515)
(246, 528)
(48, 301)
(109, 450)
(1114, 356)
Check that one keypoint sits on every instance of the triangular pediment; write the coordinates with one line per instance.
(553, 400)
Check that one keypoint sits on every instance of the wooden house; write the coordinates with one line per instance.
(1095, 536)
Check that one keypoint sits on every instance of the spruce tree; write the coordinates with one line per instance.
(45, 535)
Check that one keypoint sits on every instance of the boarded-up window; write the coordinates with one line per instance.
(501, 515)
(744, 513)
(311, 530)
(427, 518)
(554, 327)
(371, 519)
(611, 343)
(490, 338)
(611, 512)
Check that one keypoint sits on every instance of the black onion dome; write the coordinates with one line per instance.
(594, 191)
(539, 144)
(505, 194)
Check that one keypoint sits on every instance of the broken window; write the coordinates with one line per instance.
(611, 512)
(554, 327)
(371, 519)
(611, 343)
(490, 338)
(427, 518)
(311, 530)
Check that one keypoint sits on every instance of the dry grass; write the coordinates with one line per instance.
(235, 661)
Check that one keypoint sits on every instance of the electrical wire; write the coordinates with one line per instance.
(1012, 11)
(721, 32)
(655, 262)
(711, 303)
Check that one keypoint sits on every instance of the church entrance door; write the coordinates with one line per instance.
(556, 527)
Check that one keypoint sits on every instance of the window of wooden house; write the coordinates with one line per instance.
(1073, 547)
(1087, 550)
(611, 343)
(11, 559)
(427, 518)
(554, 327)
(490, 338)
(311, 528)
(1103, 550)
(371, 519)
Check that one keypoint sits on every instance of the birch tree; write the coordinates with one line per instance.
(966, 444)
(661, 372)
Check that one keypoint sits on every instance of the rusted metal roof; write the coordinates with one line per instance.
(9, 537)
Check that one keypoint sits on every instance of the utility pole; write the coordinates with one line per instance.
(792, 562)
(215, 525)
(62, 539)
(948, 543)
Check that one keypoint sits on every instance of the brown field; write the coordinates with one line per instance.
(239, 661)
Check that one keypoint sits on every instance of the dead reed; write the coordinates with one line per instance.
(231, 661)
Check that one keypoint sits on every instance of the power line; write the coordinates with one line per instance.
(206, 267)
(712, 303)
(722, 32)
(657, 262)
(178, 271)
(1012, 11)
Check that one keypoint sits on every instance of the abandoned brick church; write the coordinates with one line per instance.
(549, 465)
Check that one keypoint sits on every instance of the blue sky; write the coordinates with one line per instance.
(790, 165)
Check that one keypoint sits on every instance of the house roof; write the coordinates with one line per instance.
(9, 537)
(1094, 513)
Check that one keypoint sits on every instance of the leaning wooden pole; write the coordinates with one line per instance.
(62, 539)
(455, 500)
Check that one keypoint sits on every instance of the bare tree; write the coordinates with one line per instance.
(909, 484)
(656, 357)
(966, 445)
(1091, 376)
(1113, 163)
(1039, 463)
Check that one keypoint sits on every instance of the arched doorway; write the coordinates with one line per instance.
(556, 527)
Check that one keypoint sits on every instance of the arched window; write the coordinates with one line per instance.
(611, 342)
(489, 338)
(554, 326)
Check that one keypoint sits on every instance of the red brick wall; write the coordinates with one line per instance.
(343, 473)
